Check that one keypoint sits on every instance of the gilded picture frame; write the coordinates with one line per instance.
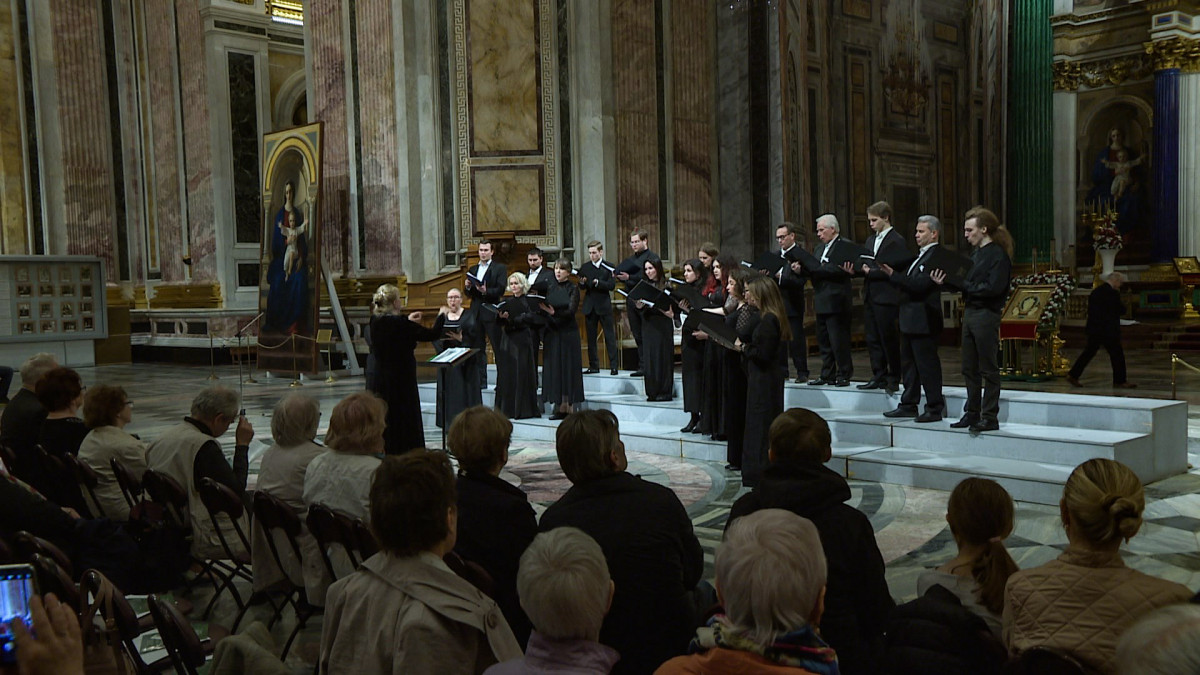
(1027, 304)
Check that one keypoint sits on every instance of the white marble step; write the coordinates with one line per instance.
(1026, 481)
(1029, 442)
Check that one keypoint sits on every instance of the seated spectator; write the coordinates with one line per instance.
(6, 378)
(22, 417)
(405, 611)
(980, 515)
(771, 581)
(106, 411)
(1085, 599)
(495, 521)
(293, 427)
(565, 589)
(60, 391)
(340, 477)
(646, 535)
(190, 452)
(23, 508)
(857, 602)
(51, 644)
(1163, 642)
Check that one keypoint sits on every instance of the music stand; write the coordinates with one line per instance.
(450, 358)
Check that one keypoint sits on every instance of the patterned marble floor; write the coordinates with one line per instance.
(909, 522)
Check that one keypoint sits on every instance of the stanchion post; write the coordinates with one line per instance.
(295, 368)
(212, 359)
(1174, 364)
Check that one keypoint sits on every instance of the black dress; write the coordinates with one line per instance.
(516, 363)
(658, 354)
(691, 352)
(393, 340)
(458, 387)
(764, 394)
(742, 320)
(562, 360)
(712, 413)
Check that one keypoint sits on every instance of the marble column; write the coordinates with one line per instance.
(692, 134)
(167, 228)
(374, 68)
(1030, 206)
(1066, 168)
(733, 129)
(14, 239)
(197, 142)
(1189, 164)
(636, 105)
(1165, 238)
(594, 124)
(325, 51)
(130, 194)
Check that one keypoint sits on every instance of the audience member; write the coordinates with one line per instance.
(857, 602)
(1084, 600)
(52, 644)
(60, 391)
(293, 427)
(106, 411)
(22, 417)
(771, 581)
(980, 515)
(566, 591)
(189, 452)
(647, 539)
(6, 378)
(495, 521)
(340, 477)
(23, 508)
(1163, 642)
(405, 611)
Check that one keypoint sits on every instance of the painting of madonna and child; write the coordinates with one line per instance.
(289, 289)
(1115, 176)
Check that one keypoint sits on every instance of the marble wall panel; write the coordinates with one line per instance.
(163, 152)
(692, 124)
(635, 102)
(197, 143)
(507, 199)
(13, 237)
(323, 18)
(377, 133)
(83, 124)
(245, 141)
(127, 134)
(504, 72)
(733, 130)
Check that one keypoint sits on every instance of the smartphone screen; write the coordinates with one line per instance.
(16, 589)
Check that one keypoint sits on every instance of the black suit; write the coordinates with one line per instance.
(791, 287)
(1103, 330)
(881, 301)
(494, 280)
(833, 302)
(597, 284)
(920, 320)
(538, 286)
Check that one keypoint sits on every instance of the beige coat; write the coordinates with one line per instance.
(411, 615)
(99, 448)
(281, 475)
(1081, 603)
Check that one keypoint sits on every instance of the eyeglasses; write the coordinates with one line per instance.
(781, 237)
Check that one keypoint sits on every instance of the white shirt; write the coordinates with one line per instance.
(533, 274)
(879, 238)
(920, 254)
(825, 253)
(481, 271)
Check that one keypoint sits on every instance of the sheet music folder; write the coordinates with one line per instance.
(714, 325)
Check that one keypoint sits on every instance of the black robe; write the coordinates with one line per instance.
(562, 358)
(458, 386)
(742, 320)
(393, 340)
(691, 353)
(516, 364)
(712, 407)
(658, 353)
(764, 394)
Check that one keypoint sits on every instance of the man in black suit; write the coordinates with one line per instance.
(1104, 330)
(831, 298)
(491, 279)
(631, 271)
(881, 302)
(920, 318)
(791, 287)
(596, 281)
(539, 277)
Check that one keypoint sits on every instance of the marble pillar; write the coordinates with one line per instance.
(131, 193)
(1030, 206)
(325, 51)
(636, 105)
(1189, 164)
(594, 125)
(1165, 238)
(201, 242)
(692, 126)
(166, 232)
(1066, 168)
(375, 76)
(733, 129)
(14, 237)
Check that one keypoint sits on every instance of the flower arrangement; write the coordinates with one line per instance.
(1063, 284)
(1106, 237)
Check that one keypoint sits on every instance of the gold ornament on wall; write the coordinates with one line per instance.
(1175, 52)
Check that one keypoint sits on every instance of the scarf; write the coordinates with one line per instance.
(801, 648)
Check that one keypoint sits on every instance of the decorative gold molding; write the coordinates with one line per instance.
(292, 10)
(1111, 72)
(1175, 52)
(1066, 75)
(187, 296)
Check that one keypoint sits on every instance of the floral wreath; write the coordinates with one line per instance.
(1107, 237)
(1063, 284)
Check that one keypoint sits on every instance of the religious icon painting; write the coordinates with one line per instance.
(46, 290)
(49, 327)
(289, 289)
(21, 274)
(89, 323)
(23, 310)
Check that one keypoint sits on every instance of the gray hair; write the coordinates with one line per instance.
(931, 222)
(1162, 642)
(213, 401)
(770, 569)
(522, 281)
(1116, 276)
(295, 419)
(563, 584)
(36, 366)
(830, 220)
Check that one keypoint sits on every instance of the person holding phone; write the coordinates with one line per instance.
(54, 646)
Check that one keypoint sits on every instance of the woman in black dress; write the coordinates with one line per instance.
(712, 415)
(394, 338)
(658, 344)
(516, 363)
(692, 351)
(562, 371)
(457, 385)
(741, 317)
(764, 378)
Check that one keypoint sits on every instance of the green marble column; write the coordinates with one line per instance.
(1029, 211)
